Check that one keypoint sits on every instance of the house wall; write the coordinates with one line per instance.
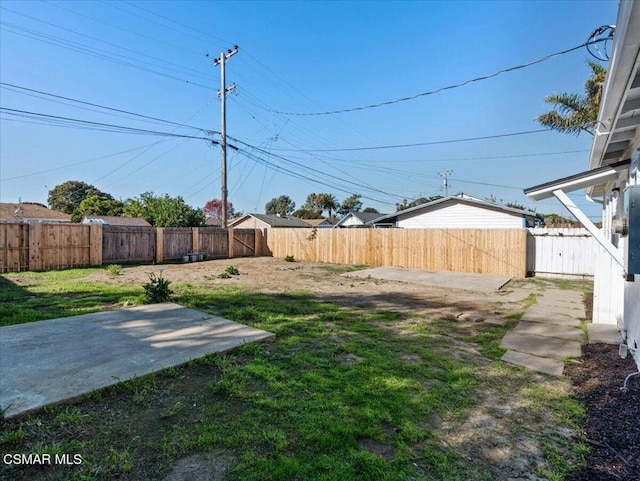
(632, 289)
(251, 223)
(617, 300)
(460, 216)
(608, 282)
(351, 221)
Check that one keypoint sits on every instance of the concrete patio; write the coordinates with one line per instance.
(60, 359)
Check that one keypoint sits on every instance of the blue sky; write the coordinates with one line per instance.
(150, 58)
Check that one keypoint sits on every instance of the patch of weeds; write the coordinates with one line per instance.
(71, 415)
(289, 259)
(228, 272)
(515, 317)
(118, 461)
(339, 269)
(157, 289)
(232, 271)
(12, 436)
(113, 270)
(561, 458)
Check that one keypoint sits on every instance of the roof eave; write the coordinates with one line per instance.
(623, 68)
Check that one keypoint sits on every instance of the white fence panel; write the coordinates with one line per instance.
(561, 252)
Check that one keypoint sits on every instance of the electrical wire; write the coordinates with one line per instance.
(71, 122)
(26, 89)
(438, 142)
(442, 89)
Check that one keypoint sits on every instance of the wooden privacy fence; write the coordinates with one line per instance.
(481, 251)
(561, 252)
(39, 246)
(513, 252)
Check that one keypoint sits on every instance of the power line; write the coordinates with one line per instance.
(441, 89)
(73, 165)
(453, 141)
(71, 122)
(26, 89)
(93, 52)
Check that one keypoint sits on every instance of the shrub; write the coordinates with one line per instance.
(228, 272)
(157, 289)
(114, 270)
(289, 259)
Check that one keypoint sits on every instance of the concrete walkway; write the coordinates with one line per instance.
(51, 361)
(549, 332)
(454, 280)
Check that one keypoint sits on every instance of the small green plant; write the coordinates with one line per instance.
(232, 271)
(157, 289)
(228, 272)
(289, 259)
(114, 270)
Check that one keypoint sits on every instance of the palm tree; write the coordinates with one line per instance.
(575, 113)
(328, 202)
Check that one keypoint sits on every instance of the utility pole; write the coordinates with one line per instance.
(445, 184)
(223, 127)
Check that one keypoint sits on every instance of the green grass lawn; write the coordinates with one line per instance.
(342, 393)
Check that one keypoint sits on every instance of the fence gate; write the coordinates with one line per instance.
(561, 252)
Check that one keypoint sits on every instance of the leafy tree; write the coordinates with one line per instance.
(416, 202)
(163, 211)
(66, 197)
(213, 208)
(313, 203)
(517, 205)
(350, 204)
(282, 206)
(307, 214)
(575, 113)
(551, 220)
(97, 205)
(371, 210)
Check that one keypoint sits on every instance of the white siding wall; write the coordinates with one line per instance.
(561, 252)
(351, 221)
(460, 216)
(632, 289)
(608, 285)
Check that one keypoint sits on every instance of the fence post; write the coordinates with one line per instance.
(195, 239)
(159, 245)
(257, 243)
(95, 244)
(230, 248)
(36, 258)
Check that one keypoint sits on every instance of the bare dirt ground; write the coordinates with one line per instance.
(274, 275)
(508, 427)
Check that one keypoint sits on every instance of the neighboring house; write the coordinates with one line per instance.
(27, 212)
(214, 222)
(116, 220)
(266, 221)
(358, 219)
(460, 212)
(319, 223)
(613, 180)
